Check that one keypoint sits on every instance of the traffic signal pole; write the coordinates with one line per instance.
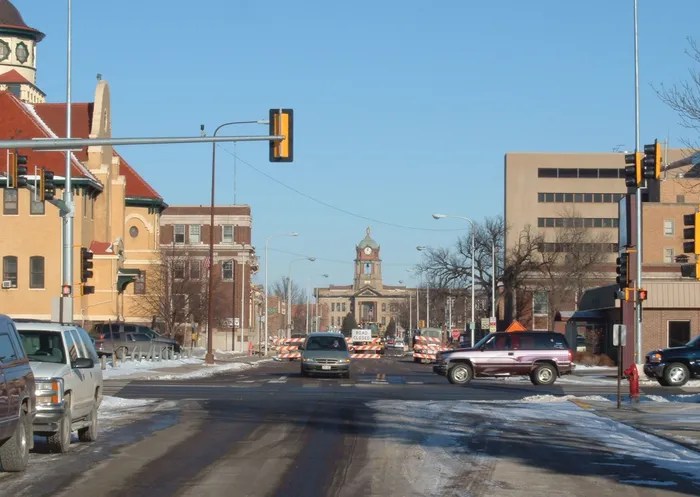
(65, 308)
(637, 303)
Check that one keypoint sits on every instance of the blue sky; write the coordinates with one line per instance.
(402, 108)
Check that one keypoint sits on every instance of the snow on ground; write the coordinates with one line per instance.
(438, 430)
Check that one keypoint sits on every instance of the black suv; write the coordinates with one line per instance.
(17, 399)
(674, 366)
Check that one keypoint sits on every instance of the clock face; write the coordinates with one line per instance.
(368, 250)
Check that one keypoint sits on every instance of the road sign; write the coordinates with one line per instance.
(492, 324)
(361, 335)
(619, 334)
(236, 322)
(484, 323)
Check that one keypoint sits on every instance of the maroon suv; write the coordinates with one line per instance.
(541, 355)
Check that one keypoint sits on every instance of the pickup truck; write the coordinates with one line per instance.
(674, 366)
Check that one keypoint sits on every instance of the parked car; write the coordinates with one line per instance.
(17, 399)
(124, 339)
(674, 366)
(325, 353)
(68, 381)
(543, 356)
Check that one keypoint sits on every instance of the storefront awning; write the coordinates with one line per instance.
(587, 315)
(126, 276)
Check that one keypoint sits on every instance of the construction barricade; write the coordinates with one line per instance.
(366, 350)
(425, 348)
(287, 348)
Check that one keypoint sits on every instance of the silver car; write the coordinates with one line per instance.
(325, 353)
(68, 381)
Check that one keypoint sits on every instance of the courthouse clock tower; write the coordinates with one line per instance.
(368, 265)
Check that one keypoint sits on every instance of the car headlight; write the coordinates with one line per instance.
(49, 391)
(343, 361)
(308, 359)
(655, 357)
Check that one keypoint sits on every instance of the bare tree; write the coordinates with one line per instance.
(684, 97)
(280, 289)
(177, 292)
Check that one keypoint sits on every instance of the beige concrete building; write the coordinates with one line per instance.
(116, 213)
(544, 191)
(367, 298)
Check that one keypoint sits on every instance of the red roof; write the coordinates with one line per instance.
(48, 120)
(13, 77)
(20, 121)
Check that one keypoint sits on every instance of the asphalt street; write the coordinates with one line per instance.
(266, 431)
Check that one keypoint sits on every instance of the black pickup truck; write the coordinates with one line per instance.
(674, 366)
(17, 399)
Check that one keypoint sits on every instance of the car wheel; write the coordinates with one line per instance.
(676, 374)
(60, 441)
(89, 433)
(460, 374)
(544, 374)
(14, 453)
(303, 372)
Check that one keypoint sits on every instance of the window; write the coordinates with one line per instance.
(332, 306)
(567, 172)
(668, 227)
(7, 351)
(607, 173)
(343, 306)
(587, 173)
(227, 234)
(678, 333)
(227, 270)
(383, 306)
(36, 272)
(36, 207)
(140, 284)
(540, 305)
(10, 201)
(9, 270)
(668, 256)
(179, 270)
(368, 268)
(195, 269)
(195, 231)
(179, 233)
(546, 172)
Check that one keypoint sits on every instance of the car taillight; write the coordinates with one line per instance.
(571, 355)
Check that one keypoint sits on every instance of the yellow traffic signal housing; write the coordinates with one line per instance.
(633, 170)
(652, 160)
(16, 169)
(691, 233)
(282, 123)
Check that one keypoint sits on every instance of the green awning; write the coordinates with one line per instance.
(126, 276)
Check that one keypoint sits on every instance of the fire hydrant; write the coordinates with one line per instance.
(632, 376)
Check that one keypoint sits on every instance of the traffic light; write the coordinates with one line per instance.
(17, 170)
(623, 270)
(633, 170)
(651, 164)
(87, 290)
(47, 187)
(642, 294)
(691, 233)
(85, 264)
(281, 123)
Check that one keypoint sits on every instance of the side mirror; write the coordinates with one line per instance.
(83, 363)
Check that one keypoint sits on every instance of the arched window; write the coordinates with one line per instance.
(36, 272)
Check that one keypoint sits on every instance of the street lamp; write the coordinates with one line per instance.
(293, 233)
(493, 268)
(289, 291)
(317, 317)
(209, 357)
(427, 294)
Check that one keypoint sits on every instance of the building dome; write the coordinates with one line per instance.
(367, 241)
(11, 21)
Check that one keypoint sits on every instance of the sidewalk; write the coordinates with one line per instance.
(678, 422)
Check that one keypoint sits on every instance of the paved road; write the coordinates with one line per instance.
(393, 429)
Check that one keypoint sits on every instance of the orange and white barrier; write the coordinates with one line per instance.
(288, 348)
(426, 348)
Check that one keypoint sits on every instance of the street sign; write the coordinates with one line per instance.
(484, 323)
(619, 334)
(492, 324)
(471, 325)
(236, 322)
